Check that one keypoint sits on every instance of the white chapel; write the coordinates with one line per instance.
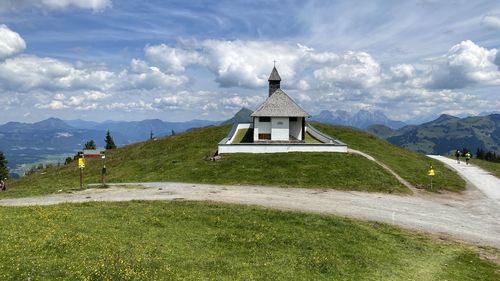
(279, 118)
(278, 126)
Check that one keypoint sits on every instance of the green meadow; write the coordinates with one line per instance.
(204, 241)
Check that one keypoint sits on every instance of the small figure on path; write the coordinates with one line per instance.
(3, 185)
(457, 155)
(467, 158)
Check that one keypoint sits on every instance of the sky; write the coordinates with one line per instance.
(182, 60)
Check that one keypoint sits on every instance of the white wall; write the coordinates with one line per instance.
(260, 128)
(296, 128)
(279, 129)
(280, 148)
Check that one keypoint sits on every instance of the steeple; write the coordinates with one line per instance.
(274, 81)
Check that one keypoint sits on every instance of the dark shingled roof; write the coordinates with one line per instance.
(275, 76)
(280, 104)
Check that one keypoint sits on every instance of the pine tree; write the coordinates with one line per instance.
(67, 160)
(110, 144)
(480, 153)
(4, 171)
(90, 145)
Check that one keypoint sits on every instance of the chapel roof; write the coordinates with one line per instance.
(279, 104)
(275, 76)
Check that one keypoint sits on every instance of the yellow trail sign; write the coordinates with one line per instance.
(431, 173)
(81, 163)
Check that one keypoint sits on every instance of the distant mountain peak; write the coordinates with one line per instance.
(242, 116)
(52, 123)
(447, 116)
(361, 119)
(443, 118)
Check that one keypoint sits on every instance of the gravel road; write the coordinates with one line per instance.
(469, 216)
(484, 181)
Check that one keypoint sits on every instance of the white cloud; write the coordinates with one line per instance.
(355, 70)
(321, 57)
(55, 105)
(173, 101)
(11, 42)
(317, 80)
(172, 60)
(95, 5)
(248, 63)
(186, 100)
(236, 101)
(27, 72)
(143, 76)
(465, 63)
(491, 21)
(130, 106)
(86, 100)
(402, 72)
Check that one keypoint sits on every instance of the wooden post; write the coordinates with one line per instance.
(103, 172)
(81, 178)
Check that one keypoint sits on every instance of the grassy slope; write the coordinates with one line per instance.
(193, 241)
(409, 165)
(243, 136)
(493, 168)
(310, 139)
(183, 158)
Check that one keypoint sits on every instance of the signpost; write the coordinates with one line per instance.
(431, 173)
(103, 172)
(81, 165)
(93, 153)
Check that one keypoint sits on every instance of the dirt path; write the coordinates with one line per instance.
(484, 181)
(469, 216)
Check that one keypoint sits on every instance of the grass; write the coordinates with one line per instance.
(244, 136)
(184, 158)
(410, 165)
(492, 167)
(310, 139)
(203, 241)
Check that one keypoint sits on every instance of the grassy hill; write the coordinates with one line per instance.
(408, 164)
(184, 158)
(203, 241)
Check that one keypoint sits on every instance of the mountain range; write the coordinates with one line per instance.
(446, 134)
(361, 119)
(53, 139)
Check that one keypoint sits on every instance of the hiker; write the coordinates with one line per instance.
(3, 185)
(457, 155)
(467, 158)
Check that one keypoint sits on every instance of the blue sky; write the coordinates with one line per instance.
(182, 60)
